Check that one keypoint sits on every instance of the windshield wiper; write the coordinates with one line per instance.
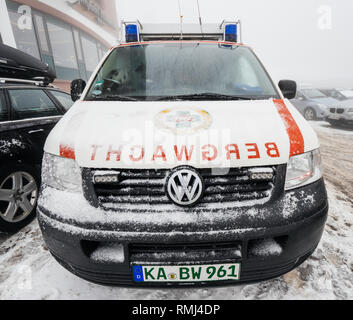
(206, 95)
(112, 97)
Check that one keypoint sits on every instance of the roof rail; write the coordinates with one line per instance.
(40, 82)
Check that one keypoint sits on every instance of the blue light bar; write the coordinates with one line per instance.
(131, 33)
(231, 33)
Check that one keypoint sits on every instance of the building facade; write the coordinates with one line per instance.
(71, 36)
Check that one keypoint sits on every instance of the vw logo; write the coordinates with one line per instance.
(184, 186)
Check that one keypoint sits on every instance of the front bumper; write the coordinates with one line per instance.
(295, 223)
(345, 118)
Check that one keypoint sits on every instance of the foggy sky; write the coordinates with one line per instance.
(290, 37)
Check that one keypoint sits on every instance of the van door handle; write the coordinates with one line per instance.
(35, 131)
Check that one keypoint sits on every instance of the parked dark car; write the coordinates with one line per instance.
(28, 112)
(313, 104)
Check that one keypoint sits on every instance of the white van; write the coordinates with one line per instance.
(182, 163)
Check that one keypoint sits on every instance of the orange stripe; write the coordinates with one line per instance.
(67, 152)
(296, 139)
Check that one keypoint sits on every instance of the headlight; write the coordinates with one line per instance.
(61, 173)
(303, 169)
(350, 110)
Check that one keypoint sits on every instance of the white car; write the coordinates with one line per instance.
(342, 114)
(182, 163)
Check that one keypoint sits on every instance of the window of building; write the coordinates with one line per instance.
(81, 63)
(102, 49)
(32, 103)
(23, 28)
(64, 98)
(41, 33)
(90, 52)
(70, 51)
(3, 109)
(78, 45)
(46, 54)
(62, 43)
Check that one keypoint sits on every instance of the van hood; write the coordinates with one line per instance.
(202, 134)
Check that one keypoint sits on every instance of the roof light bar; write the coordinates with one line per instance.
(132, 31)
(228, 31)
(231, 31)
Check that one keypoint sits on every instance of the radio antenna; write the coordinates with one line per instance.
(200, 20)
(181, 21)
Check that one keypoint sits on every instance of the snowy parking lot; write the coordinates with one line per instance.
(27, 270)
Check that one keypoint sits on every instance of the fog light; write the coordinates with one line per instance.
(108, 252)
(263, 248)
(261, 176)
(106, 178)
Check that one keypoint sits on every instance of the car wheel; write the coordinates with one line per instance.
(19, 188)
(310, 114)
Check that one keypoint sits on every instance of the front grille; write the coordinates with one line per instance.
(185, 253)
(148, 186)
(332, 110)
(340, 110)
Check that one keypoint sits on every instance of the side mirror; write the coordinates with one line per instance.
(77, 87)
(288, 88)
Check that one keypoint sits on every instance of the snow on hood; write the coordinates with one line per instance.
(168, 134)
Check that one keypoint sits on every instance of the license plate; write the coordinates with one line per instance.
(195, 273)
(334, 117)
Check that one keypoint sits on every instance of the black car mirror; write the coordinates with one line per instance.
(288, 88)
(77, 87)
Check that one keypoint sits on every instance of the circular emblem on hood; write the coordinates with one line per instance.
(184, 186)
(183, 120)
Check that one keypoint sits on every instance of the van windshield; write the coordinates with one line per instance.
(181, 71)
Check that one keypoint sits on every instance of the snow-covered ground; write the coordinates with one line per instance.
(27, 271)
